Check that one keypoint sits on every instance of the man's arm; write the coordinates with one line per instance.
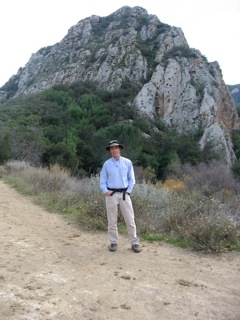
(103, 181)
(131, 178)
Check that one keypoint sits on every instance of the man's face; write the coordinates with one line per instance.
(115, 152)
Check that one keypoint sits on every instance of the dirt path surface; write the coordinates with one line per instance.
(49, 269)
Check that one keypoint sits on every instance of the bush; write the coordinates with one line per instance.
(182, 51)
(199, 218)
(148, 203)
(92, 213)
(174, 184)
(236, 169)
(210, 178)
(15, 166)
(201, 223)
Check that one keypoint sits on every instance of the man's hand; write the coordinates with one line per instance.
(108, 193)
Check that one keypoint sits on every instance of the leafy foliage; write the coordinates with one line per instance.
(11, 86)
(100, 27)
(70, 125)
(180, 51)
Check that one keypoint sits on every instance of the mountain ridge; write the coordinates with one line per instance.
(176, 83)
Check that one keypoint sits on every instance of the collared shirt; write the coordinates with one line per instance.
(117, 174)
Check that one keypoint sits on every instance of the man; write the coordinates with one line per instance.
(116, 181)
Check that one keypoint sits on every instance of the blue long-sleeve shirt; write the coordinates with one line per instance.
(117, 174)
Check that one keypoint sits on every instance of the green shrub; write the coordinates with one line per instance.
(182, 51)
(236, 168)
(92, 213)
(201, 222)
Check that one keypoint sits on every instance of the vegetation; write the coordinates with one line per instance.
(99, 29)
(182, 51)
(70, 125)
(58, 136)
(235, 93)
(11, 86)
(198, 207)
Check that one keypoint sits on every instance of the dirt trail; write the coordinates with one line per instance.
(49, 269)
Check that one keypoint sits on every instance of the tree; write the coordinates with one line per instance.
(5, 148)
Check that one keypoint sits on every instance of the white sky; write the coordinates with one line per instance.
(211, 26)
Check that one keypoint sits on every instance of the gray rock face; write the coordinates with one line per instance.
(176, 83)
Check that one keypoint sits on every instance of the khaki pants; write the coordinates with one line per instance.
(126, 208)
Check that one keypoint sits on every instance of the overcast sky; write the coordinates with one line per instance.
(211, 26)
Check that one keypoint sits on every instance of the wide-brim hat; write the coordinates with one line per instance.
(114, 143)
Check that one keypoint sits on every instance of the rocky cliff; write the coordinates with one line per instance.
(176, 83)
(235, 93)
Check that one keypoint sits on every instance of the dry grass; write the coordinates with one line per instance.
(201, 210)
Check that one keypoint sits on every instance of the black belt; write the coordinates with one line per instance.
(118, 190)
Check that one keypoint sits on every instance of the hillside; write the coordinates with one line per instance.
(141, 72)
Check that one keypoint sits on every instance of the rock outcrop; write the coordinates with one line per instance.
(176, 83)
